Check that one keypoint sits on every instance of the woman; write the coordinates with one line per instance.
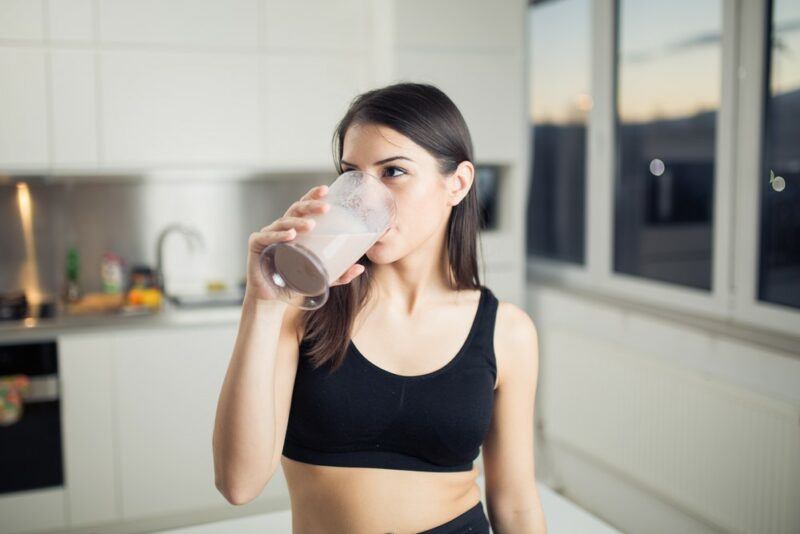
(373, 419)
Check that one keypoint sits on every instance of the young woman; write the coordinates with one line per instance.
(376, 404)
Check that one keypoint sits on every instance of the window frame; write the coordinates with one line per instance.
(754, 57)
(736, 204)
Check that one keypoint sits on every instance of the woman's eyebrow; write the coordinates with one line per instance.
(381, 162)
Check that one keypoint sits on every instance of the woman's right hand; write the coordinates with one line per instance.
(285, 228)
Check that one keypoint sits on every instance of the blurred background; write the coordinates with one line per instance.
(639, 180)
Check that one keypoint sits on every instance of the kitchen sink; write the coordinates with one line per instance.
(207, 300)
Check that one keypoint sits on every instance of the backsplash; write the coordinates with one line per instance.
(125, 216)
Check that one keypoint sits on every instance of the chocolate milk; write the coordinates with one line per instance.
(338, 239)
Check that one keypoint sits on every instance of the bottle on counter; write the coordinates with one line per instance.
(111, 273)
(72, 289)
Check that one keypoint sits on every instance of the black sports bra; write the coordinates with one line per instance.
(362, 415)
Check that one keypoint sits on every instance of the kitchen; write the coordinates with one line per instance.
(141, 142)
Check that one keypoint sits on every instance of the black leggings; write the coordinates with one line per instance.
(473, 521)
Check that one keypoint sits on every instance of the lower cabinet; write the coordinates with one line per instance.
(166, 386)
(86, 364)
(138, 418)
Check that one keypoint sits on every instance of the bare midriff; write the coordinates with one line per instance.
(373, 500)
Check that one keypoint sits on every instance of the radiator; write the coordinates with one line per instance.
(717, 451)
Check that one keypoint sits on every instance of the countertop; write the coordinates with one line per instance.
(169, 317)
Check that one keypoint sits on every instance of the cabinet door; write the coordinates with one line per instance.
(21, 19)
(179, 108)
(167, 384)
(487, 88)
(74, 108)
(192, 23)
(23, 109)
(335, 25)
(307, 94)
(460, 24)
(71, 21)
(85, 369)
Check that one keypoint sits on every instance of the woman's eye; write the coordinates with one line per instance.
(390, 169)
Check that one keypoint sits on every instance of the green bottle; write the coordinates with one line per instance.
(73, 290)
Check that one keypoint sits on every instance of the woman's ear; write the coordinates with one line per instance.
(461, 181)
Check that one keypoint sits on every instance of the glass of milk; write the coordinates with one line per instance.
(302, 270)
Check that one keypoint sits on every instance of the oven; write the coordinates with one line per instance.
(31, 455)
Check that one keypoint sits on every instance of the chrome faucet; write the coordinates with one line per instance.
(192, 236)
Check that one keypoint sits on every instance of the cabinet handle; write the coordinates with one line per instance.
(41, 388)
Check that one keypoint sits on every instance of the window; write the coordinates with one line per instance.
(688, 150)
(559, 75)
(667, 98)
(779, 265)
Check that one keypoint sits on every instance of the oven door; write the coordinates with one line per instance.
(30, 448)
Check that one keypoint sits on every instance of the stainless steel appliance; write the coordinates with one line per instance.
(31, 454)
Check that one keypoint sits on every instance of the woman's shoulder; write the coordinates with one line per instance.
(516, 337)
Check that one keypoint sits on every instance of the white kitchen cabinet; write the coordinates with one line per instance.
(74, 109)
(488, 89)
(23, 109)
(87, 421)
(21, 19)
(180, 108)
(334, 25)
(460, 24)
(185, 23)
(39, 510)
(306, 95)
(167, 384)
(70, 20)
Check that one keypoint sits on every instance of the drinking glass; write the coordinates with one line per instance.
(302, 270)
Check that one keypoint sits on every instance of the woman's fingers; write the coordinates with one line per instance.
(305, 207)
(315, 192)
(350, 274)
(302, 224)
(267, 237)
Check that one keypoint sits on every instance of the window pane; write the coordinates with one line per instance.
(558, 69)
(779, 273)
(668, 93)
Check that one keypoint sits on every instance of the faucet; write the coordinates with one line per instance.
(192, 236)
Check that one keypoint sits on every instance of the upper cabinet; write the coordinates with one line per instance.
(458, 25)
(177, 108)
(74, 114)
(313, 66)
(477, 61)
(306, 95)
(317, 25)
(139, 85)
(179, 23)
(179, 83)
(487, 88)
(21, 20)
(23, 108)
(70, 21)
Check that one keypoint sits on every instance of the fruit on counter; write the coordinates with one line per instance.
(149, 297)
(216, 285)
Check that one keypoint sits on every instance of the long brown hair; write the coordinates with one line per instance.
(426, 115)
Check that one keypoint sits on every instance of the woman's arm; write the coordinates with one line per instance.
(512, 498)
(244, 429)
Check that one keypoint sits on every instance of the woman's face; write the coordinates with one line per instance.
(423, 196)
